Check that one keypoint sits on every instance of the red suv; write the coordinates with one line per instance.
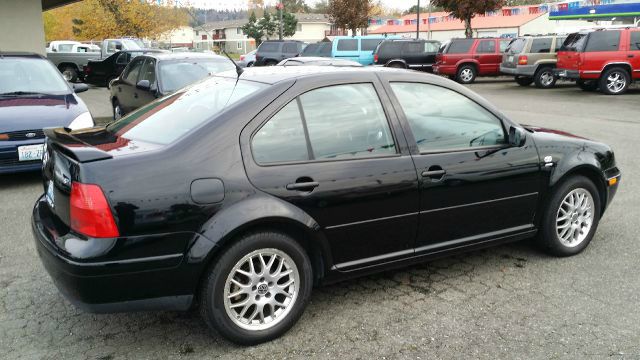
(604, 59)
(465, 59)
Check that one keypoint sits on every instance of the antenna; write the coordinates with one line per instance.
(239, 70)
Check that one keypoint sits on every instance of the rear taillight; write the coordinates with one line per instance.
(523, 60)
(375, 58)
(241, 57)
(90, 212)
(87, 69)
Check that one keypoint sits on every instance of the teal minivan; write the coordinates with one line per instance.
(357, 48)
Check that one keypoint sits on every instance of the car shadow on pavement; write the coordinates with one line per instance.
(8, 181)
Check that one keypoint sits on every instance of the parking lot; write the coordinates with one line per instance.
(506, 302)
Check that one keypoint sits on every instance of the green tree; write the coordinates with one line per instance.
(296, 6)
(321, 7)
(268, 25)
(253, 30)
(466, 10)
(350, 14)
(289, 24)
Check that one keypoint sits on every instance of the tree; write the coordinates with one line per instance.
(289, 24)
(268, 25)
(321, 7)
(350, 14)
(466, 10)
(296, 6)
(253, 30)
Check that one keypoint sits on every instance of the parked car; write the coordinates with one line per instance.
(319, 49)
(61, 45)
(318, 61)
(357, 48)
(248, 59)
(33, 96)
(532, 60)
(271, 52)
(608, 60)
(407, 54)
(112, 46)
(71, 59)
(101, 72)
(244, 192)
(154, 75)
(465, 59)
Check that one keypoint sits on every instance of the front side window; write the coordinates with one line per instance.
(131, 75)
(487, 46)
(149, 71)
(442, 119)
(341, 122)
(603, 41)
(635, 41)
(347, 45)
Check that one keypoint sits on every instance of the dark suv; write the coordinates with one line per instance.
(465, 59)
(405, 54)
(272, 52)
(604, 59)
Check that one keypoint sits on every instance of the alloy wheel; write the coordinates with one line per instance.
(466, 75)
(616, 82)
(67, 75)
(546, 78)
(261, 289)
(574, 218)
(117, 112)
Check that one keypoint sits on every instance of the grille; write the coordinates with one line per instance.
(22, 135)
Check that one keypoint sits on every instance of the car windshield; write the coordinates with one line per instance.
(30, 75)
(574, 42)
(516, 46)
(132, 44)
(166, 120)
(176, 74)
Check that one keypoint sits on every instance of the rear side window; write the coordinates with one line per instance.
(603, 41)
(370, 44)
(281, 139)
(635, 41)
(390, 48)
(290, 48)
(559, 42)
(348, 45)
(413, 47)
(540, 46)
(269, 47)
(487, 46)
(459, 46)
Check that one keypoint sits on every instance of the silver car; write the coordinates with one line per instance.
(248, 59)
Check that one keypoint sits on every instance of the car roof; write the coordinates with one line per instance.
(183, 55)
(276, 74)
(408, 40)
(21, 54)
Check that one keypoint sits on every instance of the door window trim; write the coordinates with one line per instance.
(308, 140)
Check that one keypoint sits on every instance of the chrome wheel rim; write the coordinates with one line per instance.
(575, 217)
(67, 75)
(466, 75)
(616, 82)
(261, 289)
(546, 78)
(117, 112)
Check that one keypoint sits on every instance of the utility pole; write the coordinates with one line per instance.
(429, 22)
(418, 22)
(280, 7)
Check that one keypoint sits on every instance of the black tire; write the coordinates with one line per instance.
(466, 74)
(621, 74)
(549, 238)
(117, 110)
(250, 64)
(270, 63)
(397, 65)
(524, 81)
(544, 78)
(588, 85)
(69, 73)
(212, 292)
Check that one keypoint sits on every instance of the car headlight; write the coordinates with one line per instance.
(84, 120)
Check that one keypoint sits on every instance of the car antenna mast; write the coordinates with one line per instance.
(239, 70)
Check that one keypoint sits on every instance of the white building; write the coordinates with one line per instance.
(183, 36)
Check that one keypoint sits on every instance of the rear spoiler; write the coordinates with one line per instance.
(71, 144)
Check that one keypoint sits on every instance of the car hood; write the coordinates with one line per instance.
(551, 132)
(37, 112)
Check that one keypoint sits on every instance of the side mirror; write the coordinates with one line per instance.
(517, 136)
(78, 88)
(144, 85)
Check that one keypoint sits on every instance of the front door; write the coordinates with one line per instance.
(335, 153)
(127, 85)
(142, 97)
(474, 186)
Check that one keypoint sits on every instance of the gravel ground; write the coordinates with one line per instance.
(506, 302)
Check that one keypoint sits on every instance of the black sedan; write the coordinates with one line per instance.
(151, 76)
(101, 72)
(244, 193)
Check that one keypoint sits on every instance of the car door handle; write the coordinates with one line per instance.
(630, 55)
(433, 173)
(303, 186)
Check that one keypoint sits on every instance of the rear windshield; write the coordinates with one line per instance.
(516, 46)
(166, 120)
(176, 74)
(268, 47)
(459, 46)
(574, 42)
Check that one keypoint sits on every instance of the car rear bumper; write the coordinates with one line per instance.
(566, 74)
(519, 70)
(106, 285)
(444, 69)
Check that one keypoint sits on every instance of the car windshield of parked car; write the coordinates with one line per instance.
(132, 44)
(176, 74)
(166, 120)
(24, 76)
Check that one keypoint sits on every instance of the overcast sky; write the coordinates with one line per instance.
(239, 4)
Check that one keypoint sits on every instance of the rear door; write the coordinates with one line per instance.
(602, 48)
(336, 152)
(488, 57)
(346, 48)
(634, 52)
(289, 50)
(412, 52)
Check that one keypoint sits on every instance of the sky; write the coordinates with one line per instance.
(242, 4)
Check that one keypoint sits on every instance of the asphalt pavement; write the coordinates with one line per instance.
(508, 302)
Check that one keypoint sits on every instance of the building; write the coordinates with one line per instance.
(506, 22)
(183, 37)
(229, 35)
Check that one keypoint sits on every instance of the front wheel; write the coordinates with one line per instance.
(466, 74)
(571, 218)
(615, 81)
(257, 289)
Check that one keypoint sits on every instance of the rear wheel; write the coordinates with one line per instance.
(571, 218)
(524, 80)
(397, 65)
(250, 64)
(257, 289)
(544, 78)
(466, 74)
(615, 81)
(271, 63)
(117, 110)
(70, 74)
(588, 85)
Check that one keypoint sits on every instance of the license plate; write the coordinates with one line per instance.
(30, 152)
(510, 59)
(50, 195)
